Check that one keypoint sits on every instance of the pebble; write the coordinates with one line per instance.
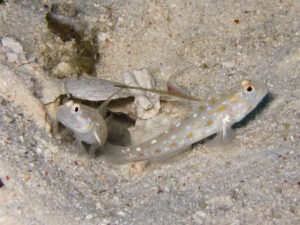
(89, 217)
(121, 213)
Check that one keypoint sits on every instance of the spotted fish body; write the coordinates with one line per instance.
(86, 123)
(216, 116)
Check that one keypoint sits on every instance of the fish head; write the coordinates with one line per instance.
(75, 117)
(243, 98)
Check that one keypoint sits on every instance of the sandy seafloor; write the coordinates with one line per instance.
(256, 180)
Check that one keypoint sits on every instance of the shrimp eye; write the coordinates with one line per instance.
(75, 108)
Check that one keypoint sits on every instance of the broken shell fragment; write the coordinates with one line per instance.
(147, 104)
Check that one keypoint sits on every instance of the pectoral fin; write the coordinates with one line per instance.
(225, 134)
(96, 135)
(173, 87)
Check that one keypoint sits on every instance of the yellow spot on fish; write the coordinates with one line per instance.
(232, 101)
(229, 96)
(209, 123)
(201, 108)
(219, 100)
(213, 101)
(174, 144)
(210, 113)
(190, 135)
(222, 108)
(234, 98)
(250, 107)
(157, 150)
(242, 101)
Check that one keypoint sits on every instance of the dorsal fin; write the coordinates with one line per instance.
(174, 87)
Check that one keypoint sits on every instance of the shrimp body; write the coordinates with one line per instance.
(216, 116)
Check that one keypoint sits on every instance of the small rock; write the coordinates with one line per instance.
(138, 167)
(62, 69)
(121, 213)
(14, 50)
(105, 222)
(89, 217)
(26, 177)
(99, 206)
(147, 104)
(198, 217)
(103, 38)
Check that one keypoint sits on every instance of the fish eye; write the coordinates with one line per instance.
(248, 88)
(75, 108)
